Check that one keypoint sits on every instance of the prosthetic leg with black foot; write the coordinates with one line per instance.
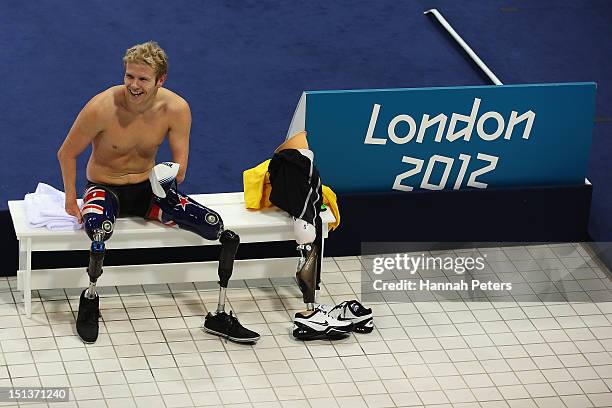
(171, 205)
(87, 324)
(221, 323)
(100, 209)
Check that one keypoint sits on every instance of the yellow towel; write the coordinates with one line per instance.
(257, 190)
(257, 187)
(331, 201)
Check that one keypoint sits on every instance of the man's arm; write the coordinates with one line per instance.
(178, 137)
(83, 130)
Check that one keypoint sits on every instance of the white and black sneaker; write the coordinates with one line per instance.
(354, 312)
(319, 325)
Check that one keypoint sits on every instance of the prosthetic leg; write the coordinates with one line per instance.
(297, 189)
(314, 322)
(221, 323)
(172, 207)
(96, 259)
(306, 274)
(100, 208)
(318, 322)
(229, 245)
(307, 236)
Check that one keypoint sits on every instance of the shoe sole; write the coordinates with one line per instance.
(361, 327)
(227, 336)
(331, 333)
(86, 341)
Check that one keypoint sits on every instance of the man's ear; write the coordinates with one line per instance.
(161, 80)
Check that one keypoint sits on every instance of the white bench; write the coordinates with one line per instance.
(266, 225)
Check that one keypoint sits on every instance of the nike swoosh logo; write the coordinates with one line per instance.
(320, 324)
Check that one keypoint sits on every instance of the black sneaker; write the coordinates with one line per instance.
(87, 324)
(227, 326)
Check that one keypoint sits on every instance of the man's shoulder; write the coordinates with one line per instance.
(104, 100)
(173, 101)
(101, 107)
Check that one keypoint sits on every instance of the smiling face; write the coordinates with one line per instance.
(141, 85)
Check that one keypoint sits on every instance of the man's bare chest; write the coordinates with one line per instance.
(136, 135)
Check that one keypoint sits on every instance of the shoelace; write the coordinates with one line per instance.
(92, 316)
(341, 305)
(325, 309)
(233, 320)
(344, 307)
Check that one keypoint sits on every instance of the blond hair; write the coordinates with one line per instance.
(149, 53)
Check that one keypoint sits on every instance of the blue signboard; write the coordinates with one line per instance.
(449, 138)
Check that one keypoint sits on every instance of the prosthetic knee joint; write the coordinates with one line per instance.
(100, 208)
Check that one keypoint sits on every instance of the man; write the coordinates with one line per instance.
(126, 124)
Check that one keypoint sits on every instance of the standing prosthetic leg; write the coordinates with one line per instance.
(229, 245)
(313, 323)
(96, 259)
(171, 206)
(221, 323)
(306, 274)
(308, 238)
(100, 208)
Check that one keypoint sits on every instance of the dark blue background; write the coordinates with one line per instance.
(242, 66)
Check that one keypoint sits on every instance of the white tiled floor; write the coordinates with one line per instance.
(507, 352)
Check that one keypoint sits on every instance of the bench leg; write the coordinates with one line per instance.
(22, 266)
(27, 293)
(26, 279)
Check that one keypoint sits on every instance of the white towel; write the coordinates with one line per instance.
(45, 208)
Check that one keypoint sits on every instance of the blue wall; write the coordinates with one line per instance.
(242, 65)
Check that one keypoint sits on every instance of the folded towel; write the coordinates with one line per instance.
(45, 208)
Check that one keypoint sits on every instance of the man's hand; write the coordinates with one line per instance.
(73, 209)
